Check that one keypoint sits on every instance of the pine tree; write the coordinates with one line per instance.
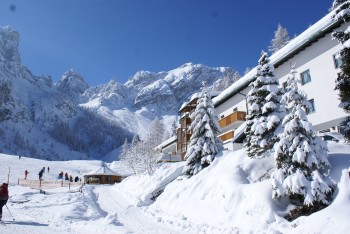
(336, 3)
(301, 156)
(265, 111)
(343, 79)
(203, 144)
(281, 39)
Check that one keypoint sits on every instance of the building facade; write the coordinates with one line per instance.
(314, 56)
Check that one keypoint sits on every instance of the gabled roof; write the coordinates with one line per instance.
(103, 170)
(299, 43)
(195, 96)
(167, 142)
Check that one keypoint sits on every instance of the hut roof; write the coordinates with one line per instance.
(103, 170)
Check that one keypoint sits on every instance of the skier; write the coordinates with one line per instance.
(4, 196)
(48, 169)
(66, 176)
(70, 178)
(25, 174)
(40, 174)
(76, 179)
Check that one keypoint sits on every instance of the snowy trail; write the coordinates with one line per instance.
(131, 217)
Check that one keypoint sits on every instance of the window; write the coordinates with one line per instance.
(305, 77)
(235, 109)
(285, 86)
(337, 60)
(311, 109)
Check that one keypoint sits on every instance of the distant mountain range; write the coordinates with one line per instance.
(70, 120)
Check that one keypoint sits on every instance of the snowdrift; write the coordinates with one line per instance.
(234, 195)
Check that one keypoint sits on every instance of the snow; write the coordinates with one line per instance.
(232, 195)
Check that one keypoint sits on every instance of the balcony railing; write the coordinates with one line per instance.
(227, 136)
(232, 118)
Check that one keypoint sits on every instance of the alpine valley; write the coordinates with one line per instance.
(71, 120)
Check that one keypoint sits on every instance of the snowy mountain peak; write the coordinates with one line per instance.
(9, 40)
(72, 82)
(141, 79)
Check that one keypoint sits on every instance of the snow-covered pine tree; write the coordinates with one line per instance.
(343, 79)
(281, 39)
(265, 111)
(336, 3)
(302, 167)
(203, 144)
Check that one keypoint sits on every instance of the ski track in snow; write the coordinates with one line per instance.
(130, 216)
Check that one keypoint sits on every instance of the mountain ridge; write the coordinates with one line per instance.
(71, 120)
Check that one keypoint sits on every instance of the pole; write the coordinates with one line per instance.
(8, 177)
(10, 212)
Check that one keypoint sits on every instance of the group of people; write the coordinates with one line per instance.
(41, 172)
(69, 178)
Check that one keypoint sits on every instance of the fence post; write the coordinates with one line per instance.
(69, 186)
(18, 182)
(61, 183)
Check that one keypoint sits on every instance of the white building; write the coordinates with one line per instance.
(314, 55)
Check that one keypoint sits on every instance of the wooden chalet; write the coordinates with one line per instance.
(103, 175)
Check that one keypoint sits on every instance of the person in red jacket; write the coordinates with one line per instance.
(4, 196)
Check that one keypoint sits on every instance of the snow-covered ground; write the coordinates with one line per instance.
(230, 196)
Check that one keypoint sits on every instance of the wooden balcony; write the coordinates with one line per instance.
(236, 117)
(227, 136)
(186, 138)
(184, 122)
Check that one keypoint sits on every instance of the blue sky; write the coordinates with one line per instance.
(113, 39)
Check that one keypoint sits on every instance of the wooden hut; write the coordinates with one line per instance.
(103, 175)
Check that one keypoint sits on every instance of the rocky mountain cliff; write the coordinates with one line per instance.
(70, 120)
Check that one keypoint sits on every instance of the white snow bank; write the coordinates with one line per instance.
(140, 189)
(234, 195)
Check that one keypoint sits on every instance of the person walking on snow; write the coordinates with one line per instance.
(25, 174)
(4, 196)
(40, 174)
(48, 169)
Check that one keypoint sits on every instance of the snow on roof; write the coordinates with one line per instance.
(167, 142)
(212, 93)
(308, 36)
(238, 132)
(103, 170)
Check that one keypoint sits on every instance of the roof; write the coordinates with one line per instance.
(167, 142)
(299, 43)
(103, 170)
(195, 96)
